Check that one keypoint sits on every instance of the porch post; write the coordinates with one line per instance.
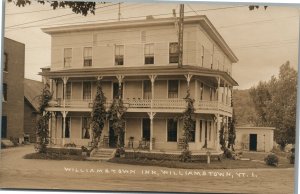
(64, 113)
(151, 116)
(218, 116)
(152, 79)
(65, 80)
(188, 79)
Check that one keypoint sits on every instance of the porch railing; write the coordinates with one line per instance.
(146, 103)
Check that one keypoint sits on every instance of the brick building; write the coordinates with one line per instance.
(13, 90)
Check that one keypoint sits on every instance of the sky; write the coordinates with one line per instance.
(262, 39)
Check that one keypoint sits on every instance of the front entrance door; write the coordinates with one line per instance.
(113, 139)
(253, 142)
(4, 127)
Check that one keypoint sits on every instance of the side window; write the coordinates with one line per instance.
(5, 62)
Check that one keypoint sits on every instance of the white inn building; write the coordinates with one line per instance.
(142, 57)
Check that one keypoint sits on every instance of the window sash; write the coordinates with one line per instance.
(67, 57)
(172, 130)
(147, 89)
(193, 132)
(68, 91)
(87, 90)
(86, 127)
(173, 88)
(173, 52)
(67, 129)
(4, 92)
(146, 129)
(5, 62)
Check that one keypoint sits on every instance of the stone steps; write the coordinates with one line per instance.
(102, 154)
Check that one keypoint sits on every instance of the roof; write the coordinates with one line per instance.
(129, 71)
(199, 19)
(32, 89)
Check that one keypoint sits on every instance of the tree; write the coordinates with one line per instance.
(188, 126)
(116, 116)
(222, 137)
(231, 131)
(275, 104)
(78, 7)
(98, 114)
(42, 126)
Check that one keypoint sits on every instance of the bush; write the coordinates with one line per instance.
(271, 160)
(185, 156)
(70, 145)
(291, 157)
(120, 152)
(228, 154)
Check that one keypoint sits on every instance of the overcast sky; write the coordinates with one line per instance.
(261, 39)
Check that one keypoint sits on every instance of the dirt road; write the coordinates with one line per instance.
(16, 172)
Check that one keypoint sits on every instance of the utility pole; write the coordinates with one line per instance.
(119, 13)
(180, 36)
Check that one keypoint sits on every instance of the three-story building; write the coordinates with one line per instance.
(141, 56)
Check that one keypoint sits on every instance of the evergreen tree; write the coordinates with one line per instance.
(98, 114)
(116, 116)
(188, 126)
(231, 132)
(42, 126)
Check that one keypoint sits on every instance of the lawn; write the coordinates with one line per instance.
(54, 156)
(223, 164)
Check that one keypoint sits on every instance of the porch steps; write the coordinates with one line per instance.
(102, 154)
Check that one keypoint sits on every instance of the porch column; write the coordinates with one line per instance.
(65, 80)
(151, 116)
(64, 113)
(152, 79)
(218, 116)
(188, 79)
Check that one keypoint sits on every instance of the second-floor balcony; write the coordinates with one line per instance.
(144, 105)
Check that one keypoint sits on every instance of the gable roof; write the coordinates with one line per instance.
(32, 89)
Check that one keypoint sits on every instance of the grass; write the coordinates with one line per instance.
(223, 164)
(54, 156)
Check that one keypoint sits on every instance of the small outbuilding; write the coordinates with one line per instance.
(259, 139)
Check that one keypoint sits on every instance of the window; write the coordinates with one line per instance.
(86, 128)
(147, 89)
(173, 89)
(210, 94)
(5, 62)
(201, 90)
(87, 90)
(119, 55)
(68, 90)
(173, 52)
(4, 92)
(212, 57)
(205, 134)
(149, 54)
(4, 127)
(87, 57)
(210, 129)
(193, 132)
(67, 129)
(67, 57)
(200, 130)
(202, 56)
(146, 129)
(172, 130)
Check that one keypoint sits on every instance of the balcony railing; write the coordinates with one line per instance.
(164, 104)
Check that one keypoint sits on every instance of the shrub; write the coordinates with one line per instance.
(185, 156)
(70, 145)
(291, 157)
(120, 152)
(271, 160)
(228, 154)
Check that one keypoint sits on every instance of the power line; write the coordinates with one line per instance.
(134, 17)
